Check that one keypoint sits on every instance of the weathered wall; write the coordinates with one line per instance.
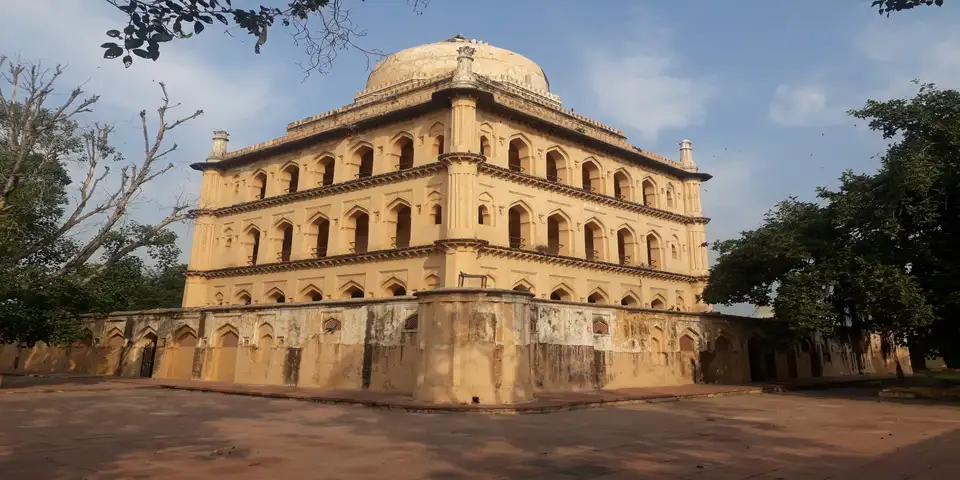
(445, 345)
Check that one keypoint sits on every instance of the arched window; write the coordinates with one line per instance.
(290, 176)
(670, 195)
(597, 297)
(590, 176)
(593, 241)
(437, 215)
(277, 297)
(626, 246)
(629, 301)
(519, 156)
(253, 246)
(556, 167)
(657, 304)
(483, 215)
(688, 344)
(438, 145)
(558, 235)
(327, 166)
(519, 227)
(485, 146)
(243, 298)
(562, 294)
(363, 158)
(398, 291)
(260, 185)
(403, 149)
(286, 242)
(401, 215)
(653, 251)
(649, 193)
(673, 251)
(360, 222)
(313, 295)
(681, 305)
(353, 292)
(600, 327)
(621, 186)
(321, 226)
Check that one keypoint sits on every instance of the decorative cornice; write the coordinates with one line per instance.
(526, 179)
(498, 251)
(313, 263)
(327, 190)
(447, 244)
(448, 158)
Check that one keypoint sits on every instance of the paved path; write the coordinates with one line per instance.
(159, 433)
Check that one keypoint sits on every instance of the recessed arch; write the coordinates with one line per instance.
(402, 151)
(600, 326)
(412, 323)
(114, 338)
(326, 165)
(275, 295)
(401, 217)
(627, 245)
(265, 335)
(320, 228)
(594, 240)
(243, 297)
(352, 289)
(520, 225)
(523, 285)
(283, 239)
(431, 281)
(658, 302)
(146, 335)
(557, 164)
(688, 341)
(680, 303)
(671, 195)
(675, 248)
(290, 177)
(562, 292)
(394, 287)
(185, 336)
(362, 159)
(436, 132)
(559, 233)
(483, 215)
(648, 188)
(654, 250)
(357, 225)
(597, 296)
(227, 336)
(519, 153)
(311, 293)
(591, 175)
(258, 184)
(251, 242)
(629, 299)
(623, 185)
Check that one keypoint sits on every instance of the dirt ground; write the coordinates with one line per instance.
(157, 433)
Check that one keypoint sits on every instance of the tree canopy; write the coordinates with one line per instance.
(876, 255)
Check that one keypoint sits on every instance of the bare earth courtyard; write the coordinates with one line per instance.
(156, 433)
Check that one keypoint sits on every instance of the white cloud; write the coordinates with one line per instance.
(242, 100)
(645, 87)
(803, 106)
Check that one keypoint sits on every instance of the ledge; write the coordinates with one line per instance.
(472, 290)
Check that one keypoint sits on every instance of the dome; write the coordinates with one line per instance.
(438, 58)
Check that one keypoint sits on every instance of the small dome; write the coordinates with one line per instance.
(439, 58)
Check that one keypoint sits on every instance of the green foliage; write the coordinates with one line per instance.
(879, 254)
(886, 7)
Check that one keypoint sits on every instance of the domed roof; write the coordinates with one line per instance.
(438, 58)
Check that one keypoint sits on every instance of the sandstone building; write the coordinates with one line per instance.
(455, 235)
(455, 158)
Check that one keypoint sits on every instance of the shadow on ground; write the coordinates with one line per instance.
(152, 433)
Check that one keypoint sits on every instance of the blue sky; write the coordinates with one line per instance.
(760, 87)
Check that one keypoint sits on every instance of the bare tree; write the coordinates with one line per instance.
(27, 117)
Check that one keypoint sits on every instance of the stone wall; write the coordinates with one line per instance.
(443, 345)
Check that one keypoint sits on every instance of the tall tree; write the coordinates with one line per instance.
(323, 28)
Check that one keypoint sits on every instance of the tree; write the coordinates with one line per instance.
(886, 7)
(150, 23)
(878, 254)
(49, 238)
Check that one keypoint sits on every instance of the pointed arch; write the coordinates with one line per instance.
(319, 228)
(594, 240)
(520, 225)
(431, 281)
(591, 175)
(671, 195)
(251, 242)
(681, 304)
(658, 302)
(227, 336)
(600, 326)
(227, 238)
(351, 289)
(437, 131)
(402, 151)
(675, 248)
(326, 165)
(394, 287)
(243, 297)
(627, 245)
(114, 338)
(557, 164)
(520, 153)
(283, 239)
(290, 177)
(265, 335)
(597, 296)
(562, 292)
(275, 295)
(559, 233)
(401, 217)
(146, 335)
(654, 250)
(688, 341)
(361, 157)
(357, 226)
(523, 285)
(630, 299)
(311, 293)
(185, 336)
(648, 188)
(258, 184)
(623, 185)
(487, 139)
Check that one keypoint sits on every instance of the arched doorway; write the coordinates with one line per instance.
(226, 355)
(148, 354)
